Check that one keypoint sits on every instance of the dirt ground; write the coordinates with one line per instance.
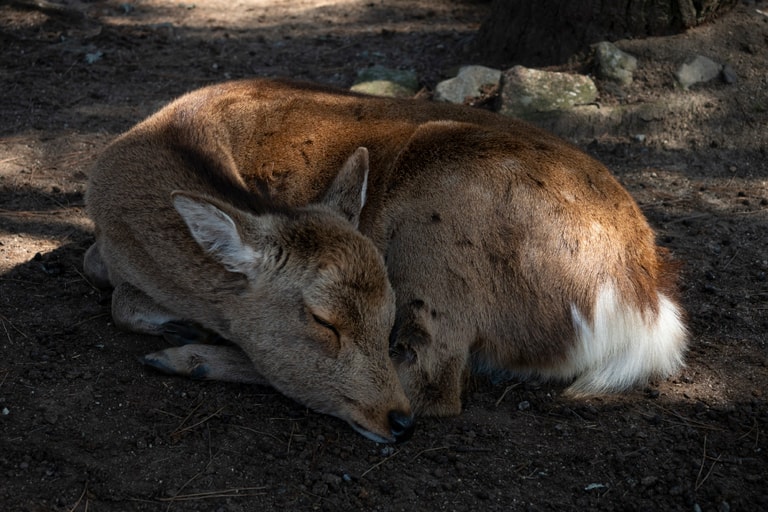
(83, 426)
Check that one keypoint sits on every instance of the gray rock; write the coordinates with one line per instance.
(529, 91)
(381, 81)
(469, 83)
(614, 64)
(697, 70)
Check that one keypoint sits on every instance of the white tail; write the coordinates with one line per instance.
(622, 346)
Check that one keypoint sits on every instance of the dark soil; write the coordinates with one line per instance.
(83, 426)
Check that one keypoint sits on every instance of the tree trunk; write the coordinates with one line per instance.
(544, 32)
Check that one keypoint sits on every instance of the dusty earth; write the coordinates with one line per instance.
(83, 426)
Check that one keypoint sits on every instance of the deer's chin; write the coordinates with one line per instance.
(378, 438)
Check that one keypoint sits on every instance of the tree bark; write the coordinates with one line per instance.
(544, 32)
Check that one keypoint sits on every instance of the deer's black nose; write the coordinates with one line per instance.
(401, 425)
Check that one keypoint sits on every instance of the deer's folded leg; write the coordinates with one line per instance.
(206, 362)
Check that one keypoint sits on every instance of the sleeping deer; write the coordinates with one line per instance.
(363, 255)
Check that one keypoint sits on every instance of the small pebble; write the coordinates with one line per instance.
(729, 75)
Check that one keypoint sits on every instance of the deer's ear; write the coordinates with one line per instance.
(347, 193)
(216, 232)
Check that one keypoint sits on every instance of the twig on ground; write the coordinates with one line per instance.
(85, 320)
(522, 467)
(80, 499)
(193, 411)
(4, 319)
(195, 477)
(507, 390)
(378, 464)
(736, 253)
(259, 432)
(235, 492)
(699, 480)
(166, 413)
(754, 428)
(471, 449)
(178, 493)
(426, 450)
(85, 278)
(290, 438)
(7, 334)
(686, 421)
(180, 431)
(701, 466)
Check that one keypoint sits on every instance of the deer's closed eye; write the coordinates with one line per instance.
(325, 323)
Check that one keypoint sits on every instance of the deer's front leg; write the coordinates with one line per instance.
(206, 362)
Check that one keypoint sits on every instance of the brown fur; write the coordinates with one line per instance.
(498, 239)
